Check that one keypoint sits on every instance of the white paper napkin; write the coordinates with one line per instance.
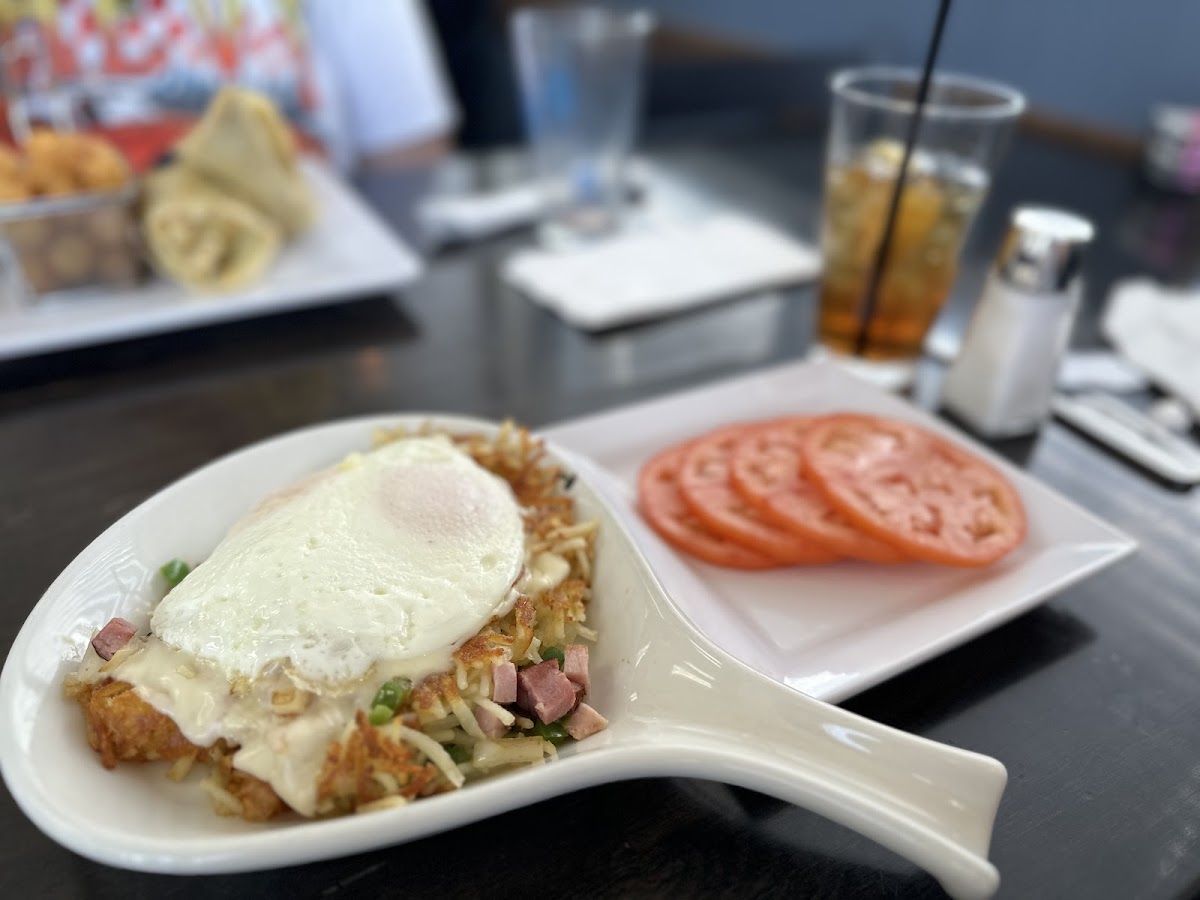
(474, 215)
(1158, 330)
(662, 270)
(467, 217)
(1100, 370)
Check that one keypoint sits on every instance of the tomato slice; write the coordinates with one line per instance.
(766, 471)
(663, 508)
(707, 490)
(904, 485)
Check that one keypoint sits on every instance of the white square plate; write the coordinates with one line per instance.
(834, 630)
(348, 253)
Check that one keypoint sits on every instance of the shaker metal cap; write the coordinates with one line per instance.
(1043, 249)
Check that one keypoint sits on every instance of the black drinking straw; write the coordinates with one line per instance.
(885, 243)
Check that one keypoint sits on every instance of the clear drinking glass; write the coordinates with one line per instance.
(963, 131)
(580, 72)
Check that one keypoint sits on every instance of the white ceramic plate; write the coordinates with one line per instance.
(832, 631)
(350, 252)
(677, 705)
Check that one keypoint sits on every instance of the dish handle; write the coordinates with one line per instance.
(931, 803)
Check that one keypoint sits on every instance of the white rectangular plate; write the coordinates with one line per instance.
(349, 252)
(834, 630)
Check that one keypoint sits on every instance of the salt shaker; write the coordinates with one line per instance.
(1002, 383)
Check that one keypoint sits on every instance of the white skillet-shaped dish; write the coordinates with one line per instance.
(677, 705)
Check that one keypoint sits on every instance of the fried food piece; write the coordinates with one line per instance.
(48, 180)
(57, 164)
(13, 189)
(64, 249)
(64, 163)
(258, 800)
(48, 148)
(97, 165)
(123, 726)
(48, 164)
(10, 163)
(556, 607)
(368, 766)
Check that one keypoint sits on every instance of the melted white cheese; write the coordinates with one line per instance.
(286, 751)
(544, 572)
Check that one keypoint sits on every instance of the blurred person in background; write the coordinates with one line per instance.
(362, 78)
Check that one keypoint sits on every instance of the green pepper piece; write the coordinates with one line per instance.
(393, 692)
(175, 571)
(555, 653)
(555, 732)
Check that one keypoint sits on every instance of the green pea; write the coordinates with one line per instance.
(555, 732)
(458, 753)
(393, 692)
(555, 653)
(380, 715)
(175, 571)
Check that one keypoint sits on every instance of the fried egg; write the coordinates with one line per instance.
(380, 566)
(395, 554)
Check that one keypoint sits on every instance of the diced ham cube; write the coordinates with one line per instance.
(545, 691)
(584, 722)
(576, 664)
(112, 637)
(490, 723)
(504, 682)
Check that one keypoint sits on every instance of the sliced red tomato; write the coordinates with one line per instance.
(707, 490)
(766, 471)
(928, 497)
(663, 508)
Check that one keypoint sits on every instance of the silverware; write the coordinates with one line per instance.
(1133, 434)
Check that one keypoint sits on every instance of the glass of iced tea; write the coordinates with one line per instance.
(962, 132)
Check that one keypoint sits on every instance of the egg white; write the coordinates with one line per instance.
(395, 554)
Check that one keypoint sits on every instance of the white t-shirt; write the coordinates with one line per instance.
(379, 65)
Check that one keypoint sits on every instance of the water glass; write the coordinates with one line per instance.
(580, 73)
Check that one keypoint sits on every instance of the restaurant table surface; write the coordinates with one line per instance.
(1092, 701)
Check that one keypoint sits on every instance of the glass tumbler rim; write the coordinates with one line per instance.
(1001, 102)
(632, 22)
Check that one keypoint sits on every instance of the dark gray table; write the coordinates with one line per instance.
(1092, 701)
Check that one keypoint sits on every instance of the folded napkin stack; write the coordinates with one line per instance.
(659, 270)
(1158, 330)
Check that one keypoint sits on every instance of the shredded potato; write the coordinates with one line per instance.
(525, 751)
